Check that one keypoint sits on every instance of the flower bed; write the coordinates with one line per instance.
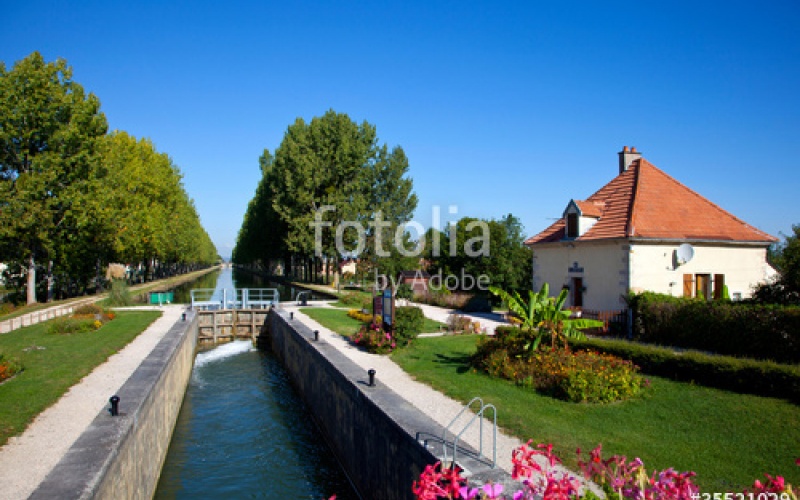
(619, 479)
(583, 376)
(374, 339)
(84, 319)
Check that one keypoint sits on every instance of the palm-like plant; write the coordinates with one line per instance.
(542, 314)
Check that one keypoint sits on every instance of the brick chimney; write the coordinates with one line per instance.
(626, 157)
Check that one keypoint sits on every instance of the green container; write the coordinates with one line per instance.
(162, 297)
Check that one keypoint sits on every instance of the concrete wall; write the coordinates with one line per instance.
(122, 456)
(374, 433)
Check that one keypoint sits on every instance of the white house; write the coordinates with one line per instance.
(646, 231)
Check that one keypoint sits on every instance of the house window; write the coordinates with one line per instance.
(702, 285)
(572, 225)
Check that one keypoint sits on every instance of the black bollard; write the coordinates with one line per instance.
(114, 410)
(183, 317)
(371, 374)
(316, 334)
(291, 315)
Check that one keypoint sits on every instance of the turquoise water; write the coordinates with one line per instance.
(243, 433)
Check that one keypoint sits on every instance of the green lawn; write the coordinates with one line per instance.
(333, 319)
(338, 321)
(729, 439)
(53, 363)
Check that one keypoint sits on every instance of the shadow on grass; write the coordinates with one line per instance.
(459, 361)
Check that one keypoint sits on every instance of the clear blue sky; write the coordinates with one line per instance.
(501, 107)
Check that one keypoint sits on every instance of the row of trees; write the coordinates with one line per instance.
(74, 198)
(328, 177)
(331, 191)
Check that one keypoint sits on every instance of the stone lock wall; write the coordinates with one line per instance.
(121, 457)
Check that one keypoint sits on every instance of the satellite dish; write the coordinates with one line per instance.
(684, 254)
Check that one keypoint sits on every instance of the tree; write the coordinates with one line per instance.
(323, 192)
(785, 289)
(544, 315)
(49, 134)
(476, 247)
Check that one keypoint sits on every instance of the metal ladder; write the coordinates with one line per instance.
(479, 415)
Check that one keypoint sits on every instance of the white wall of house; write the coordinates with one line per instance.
(600, 266)
(653, 267)
(609, 269)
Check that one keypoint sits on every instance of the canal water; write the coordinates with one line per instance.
(243, 433)
(236, 278)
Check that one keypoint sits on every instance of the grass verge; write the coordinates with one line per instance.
(729, 439)
(53, 363)
(338, 321)
(333, 319)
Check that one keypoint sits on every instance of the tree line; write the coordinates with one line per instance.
(330, 192)
(74, 198)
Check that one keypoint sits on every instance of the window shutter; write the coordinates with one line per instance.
(719, 286)
(688, 289)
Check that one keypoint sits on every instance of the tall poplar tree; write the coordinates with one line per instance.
(49, 134)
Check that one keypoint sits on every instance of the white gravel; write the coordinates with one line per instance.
(27, 459)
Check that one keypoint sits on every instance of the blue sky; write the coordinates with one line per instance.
(501, 107)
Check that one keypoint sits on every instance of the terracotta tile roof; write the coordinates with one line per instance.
(591, 208)
(644, 202)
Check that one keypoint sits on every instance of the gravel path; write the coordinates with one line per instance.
(27, 459)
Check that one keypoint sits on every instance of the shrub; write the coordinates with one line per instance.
(459, 324)
(763, 378)
(87, 309)
(120, 295)
(408, 323)
(374, 339)
(66, 326)
(6, 308)
(8, 368)
(738, 329)
(581, 376)
(404, 291)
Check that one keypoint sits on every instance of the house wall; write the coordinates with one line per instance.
(602, 266)
(653, 267)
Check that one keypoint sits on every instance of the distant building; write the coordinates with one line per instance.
(646, 231)
(417, 280)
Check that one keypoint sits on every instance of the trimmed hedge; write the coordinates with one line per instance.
(738, 329)
(762, 378)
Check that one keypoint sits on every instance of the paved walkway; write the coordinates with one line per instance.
(434, 404)
(27, 459)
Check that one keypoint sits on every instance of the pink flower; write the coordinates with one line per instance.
(468, 493)
(493, 490)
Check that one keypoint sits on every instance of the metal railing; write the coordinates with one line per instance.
(479, 416)
(238, 298)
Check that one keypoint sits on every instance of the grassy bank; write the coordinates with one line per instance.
(53, 363)
(729, 439)
(338, 321)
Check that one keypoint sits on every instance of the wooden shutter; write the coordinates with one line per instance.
(719, 286)
(688, 289)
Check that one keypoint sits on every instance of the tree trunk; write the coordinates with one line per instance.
(50, 281)
(31, 281)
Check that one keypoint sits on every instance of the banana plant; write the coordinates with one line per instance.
(542, 315)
